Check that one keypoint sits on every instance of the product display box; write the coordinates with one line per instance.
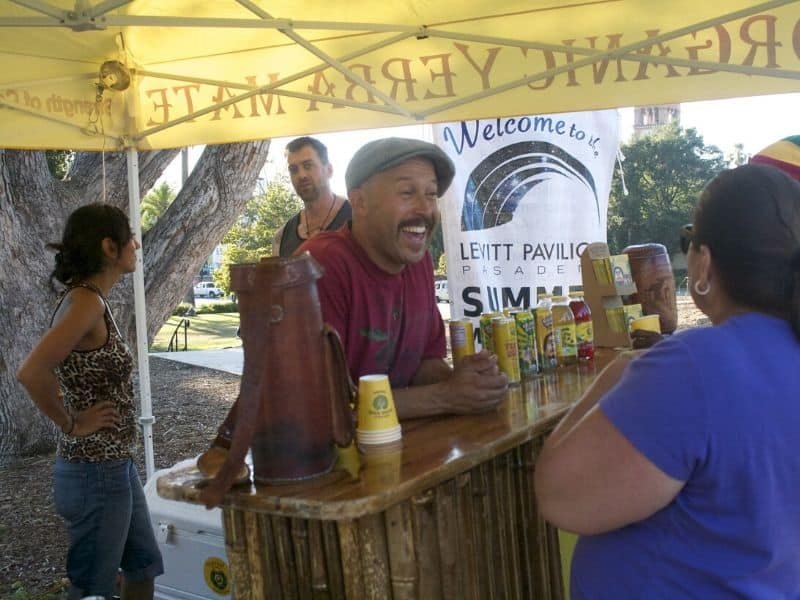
(607, 280)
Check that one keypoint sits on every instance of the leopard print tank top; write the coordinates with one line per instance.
(90, 376)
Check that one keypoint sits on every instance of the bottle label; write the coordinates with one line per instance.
(584, 332)
(565, 340)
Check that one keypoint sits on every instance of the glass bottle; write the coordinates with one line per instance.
(565, 335)
(584, 332)
(545, 336)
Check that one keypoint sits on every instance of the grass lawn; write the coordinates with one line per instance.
(206, 332)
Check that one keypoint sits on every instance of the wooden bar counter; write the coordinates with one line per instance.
(447, 513)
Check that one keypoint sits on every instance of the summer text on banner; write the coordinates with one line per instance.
(528, 195)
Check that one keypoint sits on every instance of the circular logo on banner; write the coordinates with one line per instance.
(215, 571)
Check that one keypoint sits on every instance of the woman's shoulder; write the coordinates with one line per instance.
(82, 299)
(85, 294)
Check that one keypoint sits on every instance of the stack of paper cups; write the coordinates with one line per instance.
(377, 417)
(646, 323)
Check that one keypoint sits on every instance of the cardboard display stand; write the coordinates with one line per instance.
(600, 296)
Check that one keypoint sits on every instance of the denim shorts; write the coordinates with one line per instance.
(108, 525)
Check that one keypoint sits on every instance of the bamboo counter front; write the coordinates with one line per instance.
(449, 514)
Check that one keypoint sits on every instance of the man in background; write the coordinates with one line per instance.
(310, 172)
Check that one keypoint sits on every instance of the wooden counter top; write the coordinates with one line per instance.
(431, 451)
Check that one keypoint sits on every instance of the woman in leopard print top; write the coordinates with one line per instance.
(79, 375)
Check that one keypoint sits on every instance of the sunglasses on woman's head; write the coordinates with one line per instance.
(687, 233)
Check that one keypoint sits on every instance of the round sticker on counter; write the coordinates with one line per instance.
(215, 571)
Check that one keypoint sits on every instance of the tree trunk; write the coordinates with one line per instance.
(33, 209)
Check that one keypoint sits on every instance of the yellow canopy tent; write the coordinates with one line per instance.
(148, 74)
(228, 70)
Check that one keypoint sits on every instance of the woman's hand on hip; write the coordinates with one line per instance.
(96, 417)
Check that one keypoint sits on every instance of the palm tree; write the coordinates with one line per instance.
(155, 203)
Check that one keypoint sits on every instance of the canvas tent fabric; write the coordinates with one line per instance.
(228, 70)
(149, 74)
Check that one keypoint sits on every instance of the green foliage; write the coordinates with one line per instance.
(155, 204)
(59, 162)
(437, 246)
(217, 307)
(182, 309)
(441, 269)
(738, 157)
(664, 173)
(251, 238)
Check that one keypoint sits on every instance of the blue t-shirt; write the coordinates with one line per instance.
(719, 408)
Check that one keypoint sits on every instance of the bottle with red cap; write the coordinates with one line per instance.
(583, 325)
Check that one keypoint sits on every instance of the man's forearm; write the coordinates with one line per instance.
(432, 370)
(418, 401)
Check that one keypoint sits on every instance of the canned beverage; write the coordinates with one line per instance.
(526, 342)
(486, 330)
(462, 342)
(504, 335)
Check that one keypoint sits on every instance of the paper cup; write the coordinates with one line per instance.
(382, 465)
(383, 436)
(376, 412)
(648, 323)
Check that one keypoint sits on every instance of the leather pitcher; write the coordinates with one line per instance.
(296, 393)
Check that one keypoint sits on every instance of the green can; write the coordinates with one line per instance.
(486, 330)
(526, 342)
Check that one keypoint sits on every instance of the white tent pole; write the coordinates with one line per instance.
(146, 419)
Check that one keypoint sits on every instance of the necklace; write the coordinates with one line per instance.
(322, 224)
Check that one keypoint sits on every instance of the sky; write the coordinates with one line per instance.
(754, 122)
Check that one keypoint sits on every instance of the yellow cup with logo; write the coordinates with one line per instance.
(376, 410)
(646, 323)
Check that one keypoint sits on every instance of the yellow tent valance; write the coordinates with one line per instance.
(224, 71)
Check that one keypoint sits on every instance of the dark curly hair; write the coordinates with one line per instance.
(80, 252)
(749, 218)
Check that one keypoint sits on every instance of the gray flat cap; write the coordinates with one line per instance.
(382, 155)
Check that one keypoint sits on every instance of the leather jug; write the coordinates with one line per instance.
(296, 393)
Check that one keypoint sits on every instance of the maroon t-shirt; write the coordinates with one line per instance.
(388, 323)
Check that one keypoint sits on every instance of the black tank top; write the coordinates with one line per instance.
(290, 241)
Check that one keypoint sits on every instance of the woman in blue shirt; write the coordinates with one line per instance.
(680, 467)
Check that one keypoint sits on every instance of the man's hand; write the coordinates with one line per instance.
(476, 385)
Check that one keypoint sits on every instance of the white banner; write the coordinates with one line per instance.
(528, 195)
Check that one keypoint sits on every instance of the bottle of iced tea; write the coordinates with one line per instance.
(584, 331)
(564, 325)
(545, 336)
